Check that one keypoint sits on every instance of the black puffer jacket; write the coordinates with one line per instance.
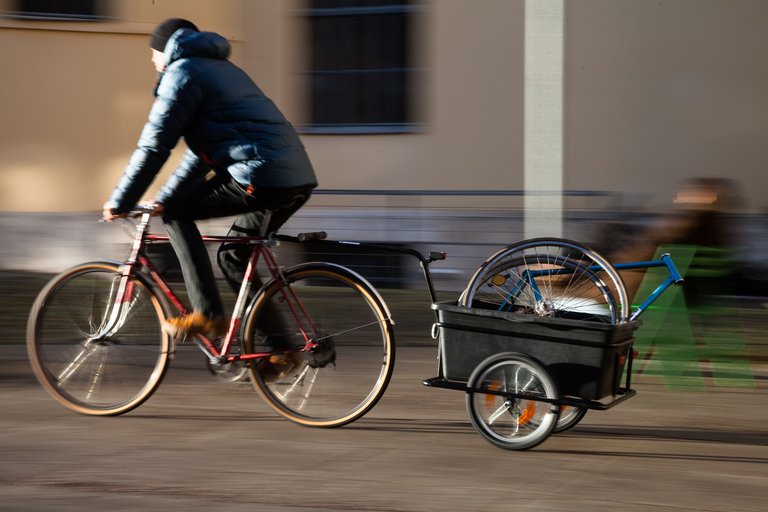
(227, 122)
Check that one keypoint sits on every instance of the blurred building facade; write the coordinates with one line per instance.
(654, 92)
(410, 98)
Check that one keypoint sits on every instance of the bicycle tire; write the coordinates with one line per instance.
(348, 373)
(569, 280)
(86, 364)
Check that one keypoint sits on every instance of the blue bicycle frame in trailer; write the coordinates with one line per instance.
(528, 278)
(673, 277)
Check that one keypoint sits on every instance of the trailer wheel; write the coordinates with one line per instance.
(517, 421)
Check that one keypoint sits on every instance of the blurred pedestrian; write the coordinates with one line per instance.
(699, 217)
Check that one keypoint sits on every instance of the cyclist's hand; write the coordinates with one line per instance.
(156, 209)
(108, 212)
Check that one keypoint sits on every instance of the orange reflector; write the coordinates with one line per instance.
(499, 280)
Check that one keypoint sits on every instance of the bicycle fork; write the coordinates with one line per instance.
(121, 294)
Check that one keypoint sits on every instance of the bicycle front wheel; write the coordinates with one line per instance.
(549, 277)
(88, 355)
(346, 374)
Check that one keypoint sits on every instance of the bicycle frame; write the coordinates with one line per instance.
(673, 277)
(528, 278)
(261, 251)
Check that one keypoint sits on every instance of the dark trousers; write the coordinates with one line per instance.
(222, 196)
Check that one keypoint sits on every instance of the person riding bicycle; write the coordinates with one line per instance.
(243, 158)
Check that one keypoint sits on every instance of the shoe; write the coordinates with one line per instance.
(195, 323)
(276, 367)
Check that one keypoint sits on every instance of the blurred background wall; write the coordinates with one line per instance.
(412, 111)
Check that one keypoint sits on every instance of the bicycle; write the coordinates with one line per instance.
(96, 345)
(553, 285)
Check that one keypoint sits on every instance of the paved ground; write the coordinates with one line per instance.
(201, 445)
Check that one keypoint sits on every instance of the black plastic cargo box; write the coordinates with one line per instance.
(585, 359)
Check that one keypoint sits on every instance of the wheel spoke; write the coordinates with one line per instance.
(549, 277)
(85, 353)
(498, 413)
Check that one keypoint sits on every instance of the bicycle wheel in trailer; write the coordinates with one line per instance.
(89, 359)
(508, 422)
(344, 377)
(549, 277)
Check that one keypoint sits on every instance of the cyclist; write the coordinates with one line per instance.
(243, 158)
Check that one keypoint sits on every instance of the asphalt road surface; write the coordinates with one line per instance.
(199, 445)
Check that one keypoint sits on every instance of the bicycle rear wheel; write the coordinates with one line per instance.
(549, 277)
(344, 377)
(89, 360)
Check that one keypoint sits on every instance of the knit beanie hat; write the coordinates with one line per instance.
(165, 30)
